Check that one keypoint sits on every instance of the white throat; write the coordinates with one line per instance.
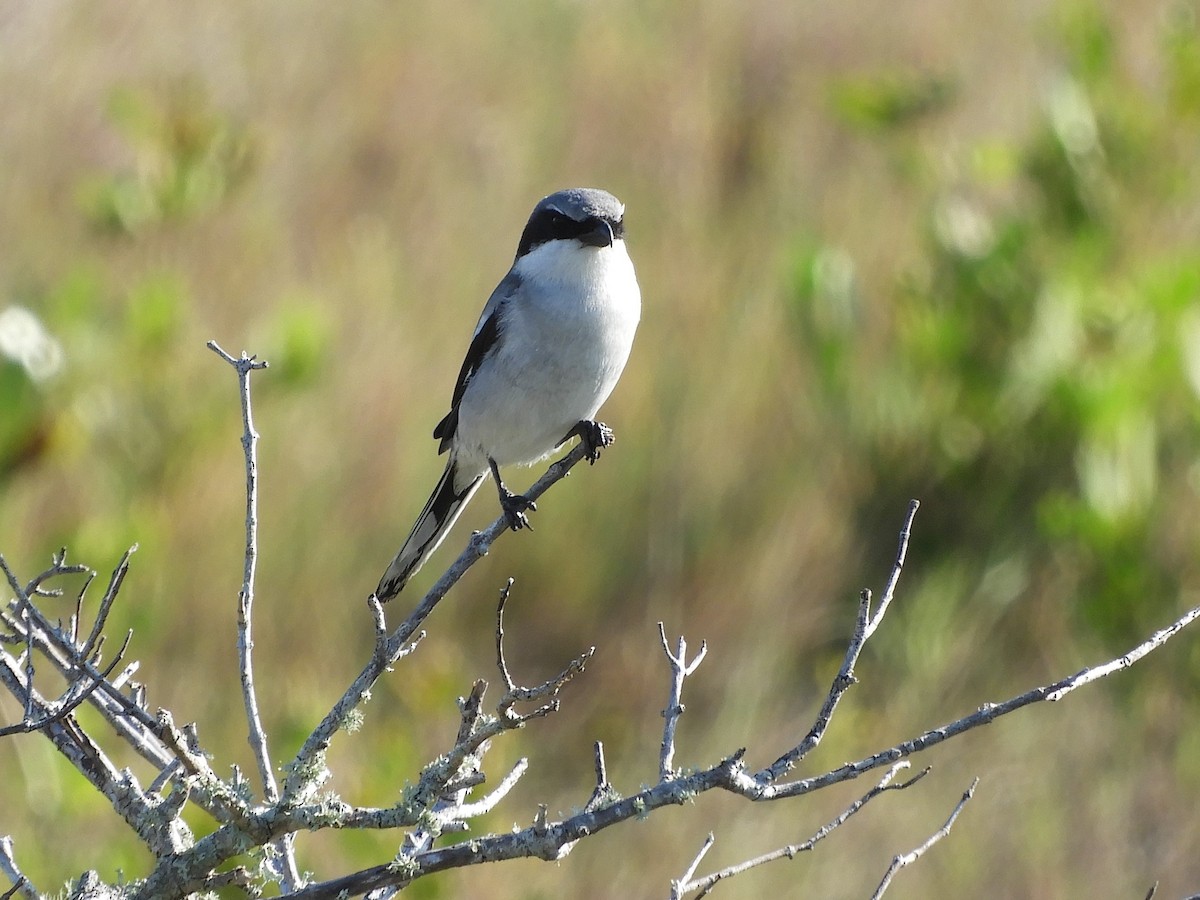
(568, 263)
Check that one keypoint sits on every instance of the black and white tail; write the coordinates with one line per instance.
(432, 525)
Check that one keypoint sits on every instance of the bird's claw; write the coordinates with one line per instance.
(514, 506)
(594, 436)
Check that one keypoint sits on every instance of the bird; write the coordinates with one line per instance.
(548, 349)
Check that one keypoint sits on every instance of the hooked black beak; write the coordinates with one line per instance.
(601, 235)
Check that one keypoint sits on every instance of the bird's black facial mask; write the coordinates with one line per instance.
(551, 225)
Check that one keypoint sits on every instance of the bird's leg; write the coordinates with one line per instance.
(514, 505)
(594, 436)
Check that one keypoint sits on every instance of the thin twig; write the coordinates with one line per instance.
(550, 688)
(602, 793)
(106, 602)
(889, 590)
(258, 739)
(500, 661)
(126, 714)
(289, 872)
(907, 859)
(75, 695)
(680, 669)
(24, 608)
(686, 885)
(864, 626)
(88, 682)
(988, 712)
(58, 567)
(602, 786)
(514, 693)
(488, 801)
(77, 616)
(678, 887)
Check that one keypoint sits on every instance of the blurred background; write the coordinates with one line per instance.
(935, 249)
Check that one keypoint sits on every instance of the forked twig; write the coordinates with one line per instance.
(680, 669)
(686, 884)
(907, 859)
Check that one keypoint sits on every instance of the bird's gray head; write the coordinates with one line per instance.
(587, 215)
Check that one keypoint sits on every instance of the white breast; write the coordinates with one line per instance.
(564, 342)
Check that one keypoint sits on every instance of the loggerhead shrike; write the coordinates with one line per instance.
(548, 350)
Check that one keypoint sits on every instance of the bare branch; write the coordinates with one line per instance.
(8, 865)
(546, 839)
(865, 625)
(258, 740)
(1156, 640)
(288, 871)
(161, 832)
(842, 682)
(889, 590)
(705, 885)
(550, 840)
(488, 802)
(106, 602)
(517, 694)
(547, 689)
(907, 859)
(127, 715)
(77, 692)
(986, 713)
(306, 772)
(678, 887)
(509, 684)
(603, 790)
(23, 609)
(680, 669)
(438, 804)
(58, 566)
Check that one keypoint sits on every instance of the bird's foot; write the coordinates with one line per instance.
(594, 436)
(514, 506)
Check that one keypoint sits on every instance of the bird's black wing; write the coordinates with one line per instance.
(487, 334)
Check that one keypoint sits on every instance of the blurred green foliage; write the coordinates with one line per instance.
(188, 156)
(1037, 372)
(951, 258)
(890, 101)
